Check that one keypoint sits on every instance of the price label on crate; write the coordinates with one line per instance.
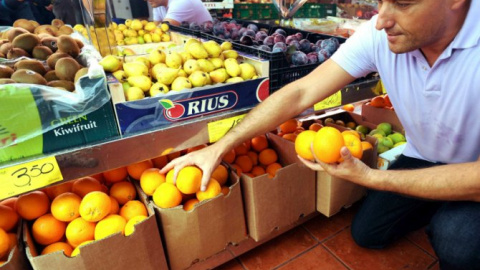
(218, 129)
(330, 102)
(29, 176)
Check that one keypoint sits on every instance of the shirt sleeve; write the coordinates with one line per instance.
(357, 54)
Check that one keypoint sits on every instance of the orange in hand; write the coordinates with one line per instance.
(303, 144)
(353, 144)
(327, 144)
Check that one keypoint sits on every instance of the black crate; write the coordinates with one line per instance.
(186, 31)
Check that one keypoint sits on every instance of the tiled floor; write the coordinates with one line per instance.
(326, 243)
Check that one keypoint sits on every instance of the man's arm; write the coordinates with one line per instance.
(172, 21)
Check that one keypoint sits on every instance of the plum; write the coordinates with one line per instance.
(279, 38)
(194, 26)
(329, 45)
(260, 36)
(299, 58)
(246, 40)
(184, 24)
(265, 48)
(290, 38)
(253, 27)
(280, 45)
(249, 32)
(312, 58)
(219, 29)
(321, 58)
(304, 45)
(281, 32)
(269, 41)
(295, 43)
(207, 27)
(241, 31)
(231, 26)
(299, 35)
(234, 34)
(326, 54)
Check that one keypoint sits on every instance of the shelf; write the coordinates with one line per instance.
(225, 4)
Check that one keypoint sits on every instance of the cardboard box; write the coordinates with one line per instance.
(142, 248)
(274, 203)
(386, 159)
(17, 258)
(378, 115)
(194, 236)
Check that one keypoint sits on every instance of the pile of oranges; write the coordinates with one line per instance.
(8, 224)
(254, 158)
(381, 101)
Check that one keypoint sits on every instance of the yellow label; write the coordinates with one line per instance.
(29, 176)
(218, 129)
(330, 102)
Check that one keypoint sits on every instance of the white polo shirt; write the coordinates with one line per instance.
(439, 106)
(183, 10)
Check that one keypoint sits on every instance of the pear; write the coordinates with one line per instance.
(235, 80)
(230, 54)
(143, 60)
(197, 51)
(190, 66)
(110, 63)
(167, 75)
(135, 69)
(212, 48)
(247, 71)
(219, 75)
(217, 62)
(226, 45)
(173, 60)
(156, 69)
(157, 56)
(209, 80)
(189, 42)
(205, 65)
(150, 26)
(134, 93)
(143, 82)
(119, 75)
(185, 56)
(158, 89)
(232, 67)
(182, 73)
(198, 79)
(181, 83)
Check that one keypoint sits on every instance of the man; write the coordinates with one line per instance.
(427, 53)
(177, 11)
(12, 10)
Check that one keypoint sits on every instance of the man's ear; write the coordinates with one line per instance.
(460, 4)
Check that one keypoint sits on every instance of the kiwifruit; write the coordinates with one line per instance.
(66, 68)
(3, 41)
(6, 81)
(41, 52)
(52, 59)
(80, 73)
(34, 23)
(26, 41)
(46, 29)
(31, 64)
(65, 30)
(6, 71)
(68, 85)
(50, 42)
(68, 45)
(4, 48)
(57, 23)
(16, 53)
(2, 55)
(28, 76)
(51, 76)
(25, 24)
(79, 43)
(14, 32)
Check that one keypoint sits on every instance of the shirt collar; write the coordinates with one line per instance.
(469, 35)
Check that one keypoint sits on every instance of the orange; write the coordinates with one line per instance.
(221, 174)
(213, 189)
(196, 148)
(135, 170)
(237, 169)
(378, 102)
(47, 230)
(353, 132)
(366, 145)
(160, 162)
(115, 175)
(10, 202)
(267, 156)
(99, 177)
(95, 206)
(244, 162)
(248, 144)
(315, 127)
(150, 179)
(348, 107)
(290, 136)
(229, 157)
(190, 204)
(242, 149)
(253, 156)
(12, 240)
(186, 197)
(54, 191)
(189, 179)
(388, 103)
(8, 218)
(65, 206)
(114, 207)
(167, 195)
(257, 170)
(32, 205)
(327, 144)
(353, 144)
(130, 226)
(110, 225)
(132, 209)
(169, 176)
(57, 246)
(78, 231)
(289, 126)
(272, 169)
(303, 144)
(76, 250)
(85, 185)
(259, 143)
(123, 192)
(225, 190)
(4, 243)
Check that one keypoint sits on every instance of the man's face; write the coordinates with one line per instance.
(412, 24)
(157, 3)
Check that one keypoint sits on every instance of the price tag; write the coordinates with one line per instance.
(331, 101)
(29, 176)
(218, 129)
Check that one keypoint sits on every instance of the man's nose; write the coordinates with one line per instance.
(385, 16)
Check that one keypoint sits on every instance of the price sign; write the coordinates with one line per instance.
(29, 176)
(218, 129)
(330, 102)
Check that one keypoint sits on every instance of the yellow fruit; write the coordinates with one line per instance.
(213, 189)
(130, 226)
(167, 195)
(164, 27)
(189, 179)
(110, 225)
(95, 206)
(76, 251)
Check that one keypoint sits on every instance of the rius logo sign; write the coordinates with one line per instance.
(198, 106)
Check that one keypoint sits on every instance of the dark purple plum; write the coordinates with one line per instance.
(260, 36)
(295, 43)
(219, 29)
(194, 26)
(269, 41)
(319, 43)
(299, 35)
(281, 32)
(304, 45)
(234, 34)
(227, 35)
(246, 40)
(312, 58)
(265, 48)
(326, 54)
(249, 32)
(290, 38)
(279, 38)
(230, 26)
(253, 27)
(329, 45)
(313, 47)
(241, 31)
(207, 27)
(184, 24)
(321, 58)
(277, 49)
(280, 45)
(299, 58)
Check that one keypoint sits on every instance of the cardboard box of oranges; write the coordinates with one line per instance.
(12, 257)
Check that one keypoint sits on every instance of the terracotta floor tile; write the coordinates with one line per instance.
(401, 255)
(231, 265)
(420, 238)
(316, 258)
(322, 227)
(278, 250)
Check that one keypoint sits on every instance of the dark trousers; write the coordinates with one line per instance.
(453, 227)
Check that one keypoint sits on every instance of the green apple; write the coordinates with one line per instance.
(386, 127)
(377, 131)
(397, 137)
(386, 141)
(362, 129)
